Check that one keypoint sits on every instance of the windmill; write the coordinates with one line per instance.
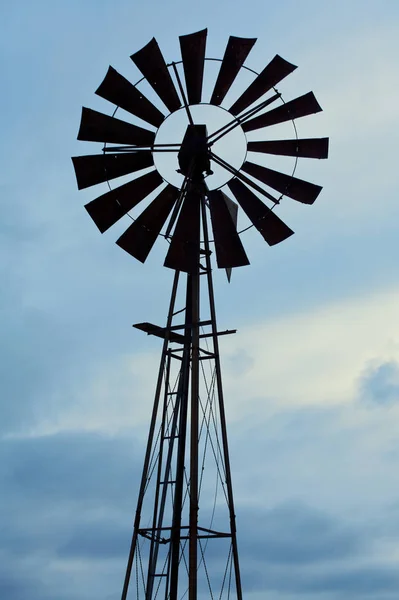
(184, 535)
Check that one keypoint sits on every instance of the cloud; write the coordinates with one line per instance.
(379, 384)
(96, 539)
(66, 513)
(293, 533)
(15, 587)
(70, 500)
(368, 580)
(60, 468)
(294, 548)
(313, 358)
(341, 457)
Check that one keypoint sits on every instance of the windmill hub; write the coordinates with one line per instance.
(232, 146)
(193, 157)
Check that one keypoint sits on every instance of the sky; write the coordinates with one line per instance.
(312, 375)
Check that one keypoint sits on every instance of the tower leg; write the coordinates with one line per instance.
(180, 462)
(194, 430)
(223, 426)
(150, 442)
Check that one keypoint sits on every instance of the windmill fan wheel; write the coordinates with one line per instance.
(176, 211)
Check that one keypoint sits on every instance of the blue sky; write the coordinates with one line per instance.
(312, 377)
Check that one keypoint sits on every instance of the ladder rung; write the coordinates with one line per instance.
(167, 482)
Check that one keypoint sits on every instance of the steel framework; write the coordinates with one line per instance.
(187, 436)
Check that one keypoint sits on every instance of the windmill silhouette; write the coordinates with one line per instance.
(184, 536)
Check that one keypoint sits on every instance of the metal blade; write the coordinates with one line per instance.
(272, 229)
(229, 249)
(193, 54)
(183, 253)
(300, 190)
(107, 209)
(97, 168)
(274, 72)
(140, 237)
(118, 90)
(234, 57)
(97, 127)
(307, 148)
(151, 63)
(233, 210)
(299, 107)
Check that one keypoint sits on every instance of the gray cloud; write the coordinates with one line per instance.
(68, 503)
(379, 385)
(97, 538)
(369, 580)
(70, 468)
(15, 587)
(70, 500)
(338, 583)
(294, 533)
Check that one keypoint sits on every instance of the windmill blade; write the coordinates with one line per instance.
(307, 148)
(229, 249)
(118, 90)
(269, 225)
(300, 190)
(233, 210)
(97, 127)
(140, 237)
(184, 248)
(236, 52)
(294, 109)
(151, 63)
(192, 48)
(97, 168)
(107, 209)
(275, 71)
